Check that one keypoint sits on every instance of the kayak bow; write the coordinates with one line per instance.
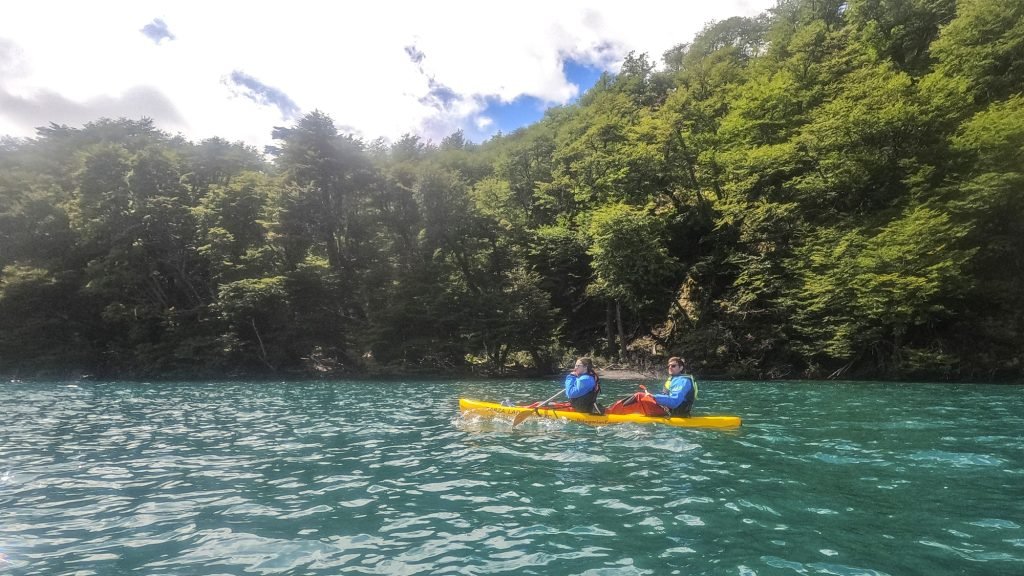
(477, 406)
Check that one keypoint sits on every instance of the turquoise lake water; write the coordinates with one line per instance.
(316, 478)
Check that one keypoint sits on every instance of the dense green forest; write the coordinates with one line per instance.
(833, 189)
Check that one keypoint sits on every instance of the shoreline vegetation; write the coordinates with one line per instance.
(613, 372)
(831, 190)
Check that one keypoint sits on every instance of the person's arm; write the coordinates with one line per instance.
(570, 385)
(677, 392)
(667, 400)
(576, 386)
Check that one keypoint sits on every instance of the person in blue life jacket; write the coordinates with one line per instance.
(582, 387)
(680, 389)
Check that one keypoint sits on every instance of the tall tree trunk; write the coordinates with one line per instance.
(622, 331)
(609, 329)
(263, 349)
(331, 244)
(329, 227)
(503, 351)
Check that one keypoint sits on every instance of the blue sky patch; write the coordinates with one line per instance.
(440, 96)
(582, 75)
(509, 116)
(525, 110)
(415, 54)
(260, 93)
(157, 31)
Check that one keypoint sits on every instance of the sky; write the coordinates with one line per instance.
(379, 69)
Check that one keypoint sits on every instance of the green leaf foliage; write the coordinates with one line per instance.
(832, 188)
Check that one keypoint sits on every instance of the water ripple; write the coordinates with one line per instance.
(300, 478)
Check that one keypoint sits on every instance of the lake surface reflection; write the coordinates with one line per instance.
(325, 478)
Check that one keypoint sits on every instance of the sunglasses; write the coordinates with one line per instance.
(673, 365)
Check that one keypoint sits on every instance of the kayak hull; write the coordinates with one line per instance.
(726, 422)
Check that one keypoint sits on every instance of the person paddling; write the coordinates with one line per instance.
(680, 389)
(582, 387)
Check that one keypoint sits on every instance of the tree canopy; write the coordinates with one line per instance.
(830, 189)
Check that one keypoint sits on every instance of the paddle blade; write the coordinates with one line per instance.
(520, 417)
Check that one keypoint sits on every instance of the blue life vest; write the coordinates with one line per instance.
(680, 394)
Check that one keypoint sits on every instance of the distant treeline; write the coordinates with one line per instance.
(835, 188)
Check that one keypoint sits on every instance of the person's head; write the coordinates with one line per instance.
(584, 366)
(675, 365)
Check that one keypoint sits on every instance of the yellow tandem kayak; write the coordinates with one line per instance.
(467, 405)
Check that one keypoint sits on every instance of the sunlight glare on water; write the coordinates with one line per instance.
(315, 478)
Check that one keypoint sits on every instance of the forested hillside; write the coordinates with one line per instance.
(833, 189)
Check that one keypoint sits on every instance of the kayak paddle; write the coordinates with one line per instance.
(524, 415)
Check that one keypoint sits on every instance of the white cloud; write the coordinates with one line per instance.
(483, 122)
(72, 62)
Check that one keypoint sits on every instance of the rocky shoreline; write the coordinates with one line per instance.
(626, 374)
